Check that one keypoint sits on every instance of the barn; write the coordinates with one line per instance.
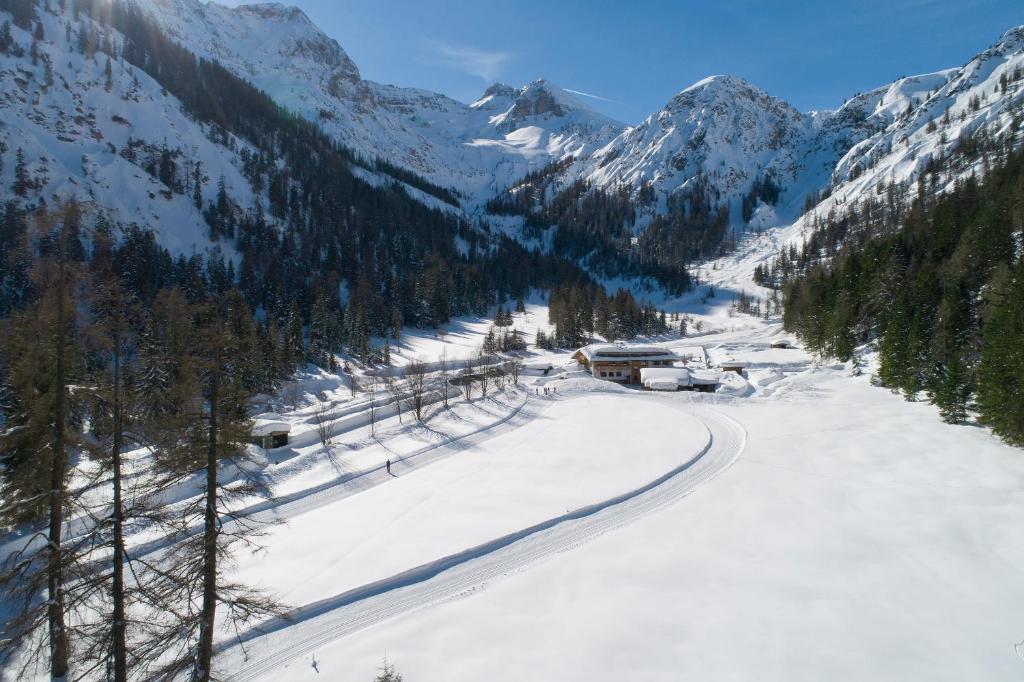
(622, 362)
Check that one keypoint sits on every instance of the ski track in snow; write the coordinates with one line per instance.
(306, 500)
(278, 642)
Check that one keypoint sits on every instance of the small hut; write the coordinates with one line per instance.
(539, 368)
(269, 431)
(782, 343)
(732, 365)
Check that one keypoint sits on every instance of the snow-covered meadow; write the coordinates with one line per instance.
(845, 534)
(856, 537)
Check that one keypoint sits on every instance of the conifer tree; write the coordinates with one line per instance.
(112, 336)
(188, 583)
(293, 338)
(949, 379)
(6, 39)
(166, 377)
(1001, 371)
(42, 358)
(22, 183)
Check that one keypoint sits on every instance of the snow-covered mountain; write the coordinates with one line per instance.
(105, 132)
(103, 137)
(914, 122)
(74, 124)
(475, 149)
(730, 133)
(721, 128)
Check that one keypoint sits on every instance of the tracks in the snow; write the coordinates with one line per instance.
(275, 643)
(293, 504)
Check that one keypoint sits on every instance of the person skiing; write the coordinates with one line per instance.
(388, 464)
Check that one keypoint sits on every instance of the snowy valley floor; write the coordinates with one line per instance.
(834, 532)
(800, 524)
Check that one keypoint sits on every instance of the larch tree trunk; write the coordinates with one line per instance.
(59, 646)
(119, 625)
(204, 654)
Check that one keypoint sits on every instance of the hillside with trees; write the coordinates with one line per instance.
(938, 286)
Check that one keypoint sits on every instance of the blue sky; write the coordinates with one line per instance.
(636, 55)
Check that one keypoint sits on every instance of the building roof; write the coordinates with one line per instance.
(705, 377)
(616, 352)
(269, 423)
(652, 377)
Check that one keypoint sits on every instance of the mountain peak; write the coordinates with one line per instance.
(496, 96)
(499, 89)
(718, 87)
(540, 97)
(1012, 40)
(723, 80)
(256, 37)
(274, 10)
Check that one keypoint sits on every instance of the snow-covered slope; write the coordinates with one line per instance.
(102, 138)
(721, 128)
(727, 134)
(475, 149)
(921, 119)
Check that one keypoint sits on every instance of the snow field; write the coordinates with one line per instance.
(574, 452)
(856, 538)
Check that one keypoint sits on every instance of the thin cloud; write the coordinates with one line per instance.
(587, 94)
(485, 64)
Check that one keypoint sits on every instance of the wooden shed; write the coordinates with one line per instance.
(733, 366)
(269, 431)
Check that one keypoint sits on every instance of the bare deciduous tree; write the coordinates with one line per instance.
(186, 584)
(324, 425)
(372, 386)
(416, 384)
(444, 368)
(394, 388)
(499, 374)
(37, 444)
(484, 373)
(515, 370)
(469, 369)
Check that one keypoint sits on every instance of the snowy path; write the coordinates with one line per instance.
(288, 506)
(307, 628)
